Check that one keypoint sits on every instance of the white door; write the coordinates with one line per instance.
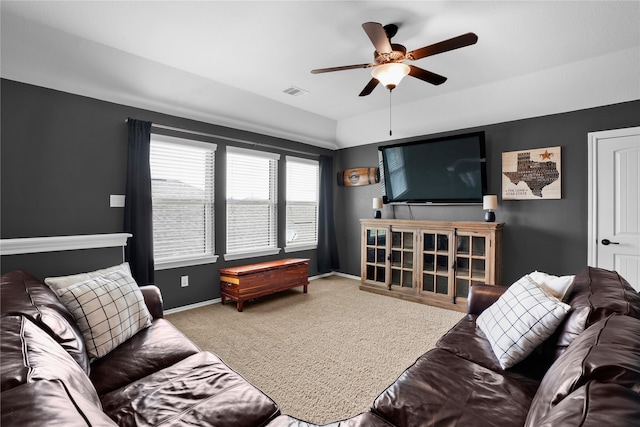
(614, 202)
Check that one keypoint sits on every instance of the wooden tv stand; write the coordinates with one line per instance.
(431, 262)
(247, 282)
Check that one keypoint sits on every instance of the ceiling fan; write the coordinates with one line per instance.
(389, 68)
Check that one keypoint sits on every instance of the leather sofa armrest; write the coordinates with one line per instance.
(482, 296)
(153, 299)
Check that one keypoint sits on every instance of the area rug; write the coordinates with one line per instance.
(321, 356)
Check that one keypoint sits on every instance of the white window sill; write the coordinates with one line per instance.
(251, 254)
(298, 248)
(184, 262)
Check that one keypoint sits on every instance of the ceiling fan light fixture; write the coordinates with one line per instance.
(390, 74)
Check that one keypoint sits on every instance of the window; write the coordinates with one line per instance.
(252, 209)
(302, 203)
(182, 175)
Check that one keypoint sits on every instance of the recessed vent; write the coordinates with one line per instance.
(295, 91)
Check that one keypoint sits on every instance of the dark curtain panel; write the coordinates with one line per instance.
(138, 218)
(327, 245)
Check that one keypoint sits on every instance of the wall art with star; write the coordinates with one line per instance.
(531, 174)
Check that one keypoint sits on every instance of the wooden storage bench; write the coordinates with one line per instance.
(247, 282)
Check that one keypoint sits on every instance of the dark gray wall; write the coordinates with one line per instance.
(63, 155)
(63, 263)
(548, 235)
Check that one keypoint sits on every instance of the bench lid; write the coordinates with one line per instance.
(262, 266)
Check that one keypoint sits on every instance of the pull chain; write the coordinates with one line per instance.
(390, 133)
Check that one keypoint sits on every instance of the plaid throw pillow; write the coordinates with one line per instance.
(109, 309)
(558, 286)
(58, 283)
(520, 320)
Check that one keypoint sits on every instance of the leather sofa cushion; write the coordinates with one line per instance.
(597, 293)
(366, 419)
(605, 292)
(47, 403)
(29, 354)
(23, 294)
(596, 404)
(13, 370)
(153, 348)
(449, 390)
(199, 390)
(608, 351)
(467, 341)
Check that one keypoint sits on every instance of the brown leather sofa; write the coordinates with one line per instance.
(586, 374)
(156, 378)
(593, 381)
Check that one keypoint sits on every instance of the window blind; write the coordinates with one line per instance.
(302, 201)
(182, 188)
(252, 179)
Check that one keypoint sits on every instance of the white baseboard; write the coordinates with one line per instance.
(191, 306)
(218, 300)
(345, 275)
(320, 276)
(334, 273)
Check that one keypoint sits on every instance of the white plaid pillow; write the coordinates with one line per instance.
(58, 283)
(109, 309)
(558, 286)
(520, 320)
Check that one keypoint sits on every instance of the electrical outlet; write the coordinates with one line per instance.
(184, 281)
(116, 200)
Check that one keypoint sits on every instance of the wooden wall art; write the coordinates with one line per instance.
(358, 176)
(531, 174)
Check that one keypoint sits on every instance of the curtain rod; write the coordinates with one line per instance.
(228, 138)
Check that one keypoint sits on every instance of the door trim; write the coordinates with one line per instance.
(592, 186)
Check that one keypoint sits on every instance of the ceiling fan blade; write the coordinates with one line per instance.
(345, 67)
(369, 87)
(443, 46)
(378, 36)
(427, 76)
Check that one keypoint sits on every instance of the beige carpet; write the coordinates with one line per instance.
(321, 356)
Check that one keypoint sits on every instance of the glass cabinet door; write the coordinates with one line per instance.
(436, 262)
(376, 255)
(402, 255)
(471, 261)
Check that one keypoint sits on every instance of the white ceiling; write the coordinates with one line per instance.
(228, 62)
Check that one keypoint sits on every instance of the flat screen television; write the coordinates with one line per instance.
(441, 170)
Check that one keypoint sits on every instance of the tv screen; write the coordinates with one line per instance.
(442, 170)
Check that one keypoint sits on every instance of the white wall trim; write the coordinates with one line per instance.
(192, 306)
(242, 255)
(300, 248)
(337, 273)
(320, 276)
(185, 262)
(592, 197)
(30, 245)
